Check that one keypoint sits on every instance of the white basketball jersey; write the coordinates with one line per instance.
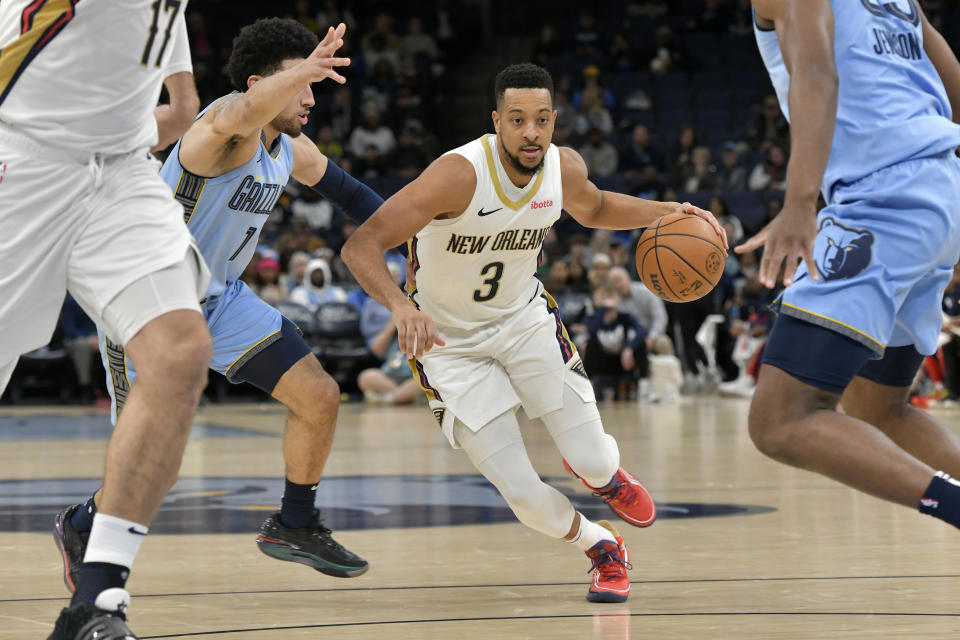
(86, 74)
(480, 266)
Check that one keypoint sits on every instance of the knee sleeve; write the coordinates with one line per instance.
(578, 433)
(536, 504)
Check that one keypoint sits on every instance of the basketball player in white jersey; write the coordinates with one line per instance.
(83, 210)
(483, 335)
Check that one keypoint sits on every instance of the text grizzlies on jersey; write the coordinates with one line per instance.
(255, 197)
(905, 45)
(509, 240)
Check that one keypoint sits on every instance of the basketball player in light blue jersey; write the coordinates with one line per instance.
(227, 171)
(871, 90)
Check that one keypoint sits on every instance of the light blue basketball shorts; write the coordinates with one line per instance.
(885, 250)
(241, 325)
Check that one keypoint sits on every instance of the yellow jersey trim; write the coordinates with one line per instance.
(242, 355)
(492, 169)
(47, 21)
(837, 322)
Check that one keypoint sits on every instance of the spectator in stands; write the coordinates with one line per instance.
(381, 87)
(682, 151)
(734, 228)
(340, 113)
(769, 127)
(391, 383)
(305, 16)
(409, 158)
(81, 343)
(599, 155)
(548, 46)
(295, 270)
(771, 173)
(621, 57)
(586, 37)
(599, 270)
(417, 44)
(617, 253)
(593, 114)
(333, 13)
(699, 174)
(615, 354)
(369, 166)
(591, 82)
(328, 145)
(268, 285)
(749, 322)
(639, 154)
(645, 307)
(731, 174)
(317, 287)
(650, 186)
(575, 305)
(299, 238)
(371, 133)
(381, 43)
(667, 54)
(309, 205)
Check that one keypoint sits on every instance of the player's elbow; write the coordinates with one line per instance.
(352, 250)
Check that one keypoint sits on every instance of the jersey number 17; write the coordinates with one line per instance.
(169, 7)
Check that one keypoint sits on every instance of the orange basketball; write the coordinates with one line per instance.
(680, 257)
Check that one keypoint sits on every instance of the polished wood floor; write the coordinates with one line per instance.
(808, 559)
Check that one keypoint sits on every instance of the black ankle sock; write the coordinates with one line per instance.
(82, 518)
(297, 507)
(96, 577)
(942, 499)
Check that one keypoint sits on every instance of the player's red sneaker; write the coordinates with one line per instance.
(626, 496)
(609, 569)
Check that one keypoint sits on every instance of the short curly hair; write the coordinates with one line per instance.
(260, 48)
(522, 76)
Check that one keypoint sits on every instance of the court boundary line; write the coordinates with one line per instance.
(139, 596)
(333, 625)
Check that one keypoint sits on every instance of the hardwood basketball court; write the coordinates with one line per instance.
(744, 547)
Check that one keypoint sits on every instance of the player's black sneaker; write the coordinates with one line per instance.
(312, 545)
(72, 545)
(107, 620)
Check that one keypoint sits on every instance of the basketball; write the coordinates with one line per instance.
(680, 257)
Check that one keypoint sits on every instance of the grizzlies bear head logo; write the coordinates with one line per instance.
(842, 252)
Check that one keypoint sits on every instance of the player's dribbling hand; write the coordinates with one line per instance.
(416, 331)
(789, 236)
(320, 65)
(692, 210)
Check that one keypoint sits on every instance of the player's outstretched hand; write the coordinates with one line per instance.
(692, 210)
(320, 65)
(790, 236)
(416, 331)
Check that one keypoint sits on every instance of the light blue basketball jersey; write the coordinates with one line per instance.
(892, 104)
(226, 213)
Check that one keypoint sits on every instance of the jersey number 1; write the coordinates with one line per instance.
(171, 7)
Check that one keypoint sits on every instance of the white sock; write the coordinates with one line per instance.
(590, 534)
(114, 540)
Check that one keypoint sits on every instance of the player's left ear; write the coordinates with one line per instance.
(495, 116)
(252, 80)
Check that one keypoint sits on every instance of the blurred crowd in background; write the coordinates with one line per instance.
(664, 100)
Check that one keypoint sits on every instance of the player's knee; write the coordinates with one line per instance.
(318, 396)
(175, 347)
(597, 463)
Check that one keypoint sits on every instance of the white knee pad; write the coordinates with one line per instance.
(578, 433)
(498, 453)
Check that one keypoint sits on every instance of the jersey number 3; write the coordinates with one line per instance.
(492, 282)
(171, 7)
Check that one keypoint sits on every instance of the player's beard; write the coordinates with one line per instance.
(519, 166)
(289, 126)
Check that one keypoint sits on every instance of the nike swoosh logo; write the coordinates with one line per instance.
(486, 213)
(134, 531)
